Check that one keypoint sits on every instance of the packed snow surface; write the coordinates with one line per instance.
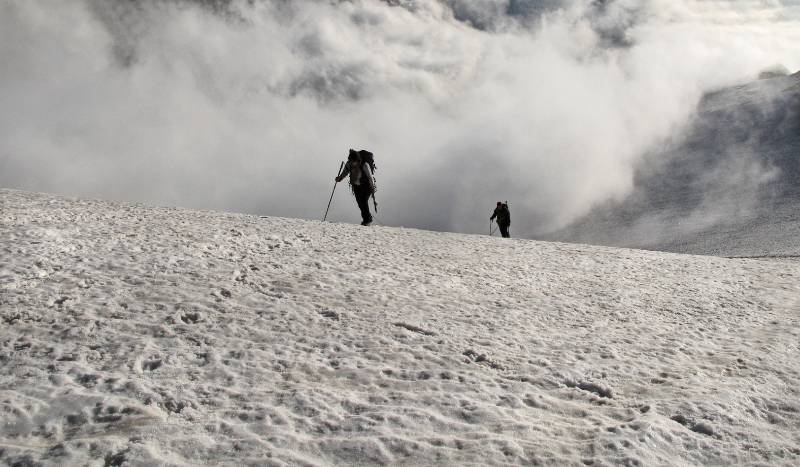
(137, 335)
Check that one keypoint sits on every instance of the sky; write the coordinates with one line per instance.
(251, 106)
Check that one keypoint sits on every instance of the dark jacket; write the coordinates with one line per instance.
(360, 173)
(502, 214)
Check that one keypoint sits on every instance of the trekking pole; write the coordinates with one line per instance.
(491, 232)
(341, 166)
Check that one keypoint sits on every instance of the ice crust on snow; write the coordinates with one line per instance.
(141, 335)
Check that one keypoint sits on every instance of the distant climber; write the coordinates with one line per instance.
(360, 167)
(503, 216)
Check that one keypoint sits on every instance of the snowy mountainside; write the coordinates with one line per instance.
(135, 335)
(729, 186)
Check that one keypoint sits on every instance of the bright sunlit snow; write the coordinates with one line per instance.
(139, 335)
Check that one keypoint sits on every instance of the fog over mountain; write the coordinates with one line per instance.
(249, 106)
(730, 185)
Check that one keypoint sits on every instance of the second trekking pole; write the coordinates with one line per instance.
(341, 166)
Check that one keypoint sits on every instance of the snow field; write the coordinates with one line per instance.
(137, 335)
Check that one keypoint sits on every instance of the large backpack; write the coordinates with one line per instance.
(367, 157)
(504, 216)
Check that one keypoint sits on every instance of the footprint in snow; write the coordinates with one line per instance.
(151, 365)
(59, 301)
(412, 328)
(702, 427)
(481, 358)
(175, 406)
(223, 293)
(240, 276)
(87, 380)
(191, 318)
(330, 314)
(595, 388)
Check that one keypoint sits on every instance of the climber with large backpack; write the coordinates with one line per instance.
(503, 216)
(360, 166)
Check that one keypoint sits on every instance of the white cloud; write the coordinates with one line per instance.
(463, 102)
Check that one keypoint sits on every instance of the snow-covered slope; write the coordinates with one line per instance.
(138, 336)
(730, 186)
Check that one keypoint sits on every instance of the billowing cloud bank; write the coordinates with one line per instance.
(250, 106)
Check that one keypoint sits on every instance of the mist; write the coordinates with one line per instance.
(250, 106)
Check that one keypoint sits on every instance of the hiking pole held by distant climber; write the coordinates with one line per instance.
(341, 166)
(491, 231)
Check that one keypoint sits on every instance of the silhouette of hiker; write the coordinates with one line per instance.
(361, 181)
(503, 216)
